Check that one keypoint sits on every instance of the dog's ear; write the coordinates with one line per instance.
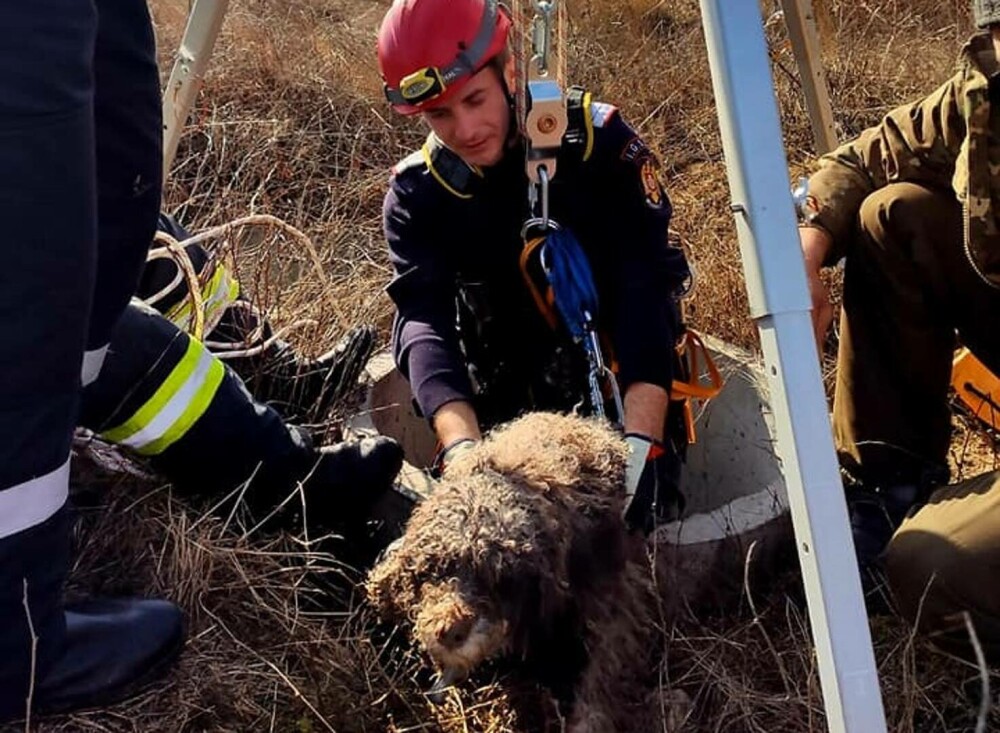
(390, 588)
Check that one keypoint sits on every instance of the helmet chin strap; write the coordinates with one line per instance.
(513, 131)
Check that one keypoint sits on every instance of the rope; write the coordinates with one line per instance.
(176, 251)
(180, 256)
(224, 230)
(574, 296)
(573, 290)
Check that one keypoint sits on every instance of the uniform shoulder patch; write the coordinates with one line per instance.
(636, 151)
(601, 113)
(652, 189)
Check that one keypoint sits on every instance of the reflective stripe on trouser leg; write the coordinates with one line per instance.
(93, 360)
(32, 502)
(224, 445)
(176, 405)
(48, 209)
(221, 291)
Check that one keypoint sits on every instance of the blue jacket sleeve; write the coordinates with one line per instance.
(424, 336)
(647, 271)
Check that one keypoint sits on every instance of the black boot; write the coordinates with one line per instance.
(876, 514)
(88, 655)
(300, 388)
(349, 478)
(876, 511)
(112, 649)
(328, 491)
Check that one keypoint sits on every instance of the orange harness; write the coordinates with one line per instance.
(692, 352)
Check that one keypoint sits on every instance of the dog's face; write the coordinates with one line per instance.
(479, 564)
(458, 631)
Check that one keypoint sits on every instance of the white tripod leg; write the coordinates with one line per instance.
(189, 70)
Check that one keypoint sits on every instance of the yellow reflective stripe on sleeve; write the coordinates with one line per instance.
(178, 403)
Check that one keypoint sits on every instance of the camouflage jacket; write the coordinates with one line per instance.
(947, 139)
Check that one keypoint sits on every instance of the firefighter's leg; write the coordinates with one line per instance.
(162, 394)
(129, 134)
(891, 418)
(943, 562)
(92, 653)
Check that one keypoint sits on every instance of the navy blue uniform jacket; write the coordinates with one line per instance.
(612, 202)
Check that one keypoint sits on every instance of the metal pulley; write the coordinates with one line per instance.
(546, 119)
(543, 115)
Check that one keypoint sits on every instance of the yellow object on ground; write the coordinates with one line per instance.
(977, 387)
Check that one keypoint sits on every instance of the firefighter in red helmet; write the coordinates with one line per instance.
(452, 220)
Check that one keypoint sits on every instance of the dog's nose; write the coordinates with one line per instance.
(447, 678)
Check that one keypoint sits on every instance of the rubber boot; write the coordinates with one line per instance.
(349, 479)
(875, 513)
(113, 648)
(90, 654)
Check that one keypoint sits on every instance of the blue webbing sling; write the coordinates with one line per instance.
(574, 295)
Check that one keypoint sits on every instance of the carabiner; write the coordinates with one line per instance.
(541, 34)
(538, 200)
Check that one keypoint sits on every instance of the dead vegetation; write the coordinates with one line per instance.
(292, 123)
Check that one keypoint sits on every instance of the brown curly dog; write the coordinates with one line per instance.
(522, 551)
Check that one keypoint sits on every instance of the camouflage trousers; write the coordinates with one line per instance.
(908, 290)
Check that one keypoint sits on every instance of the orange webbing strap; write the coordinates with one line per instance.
(692, 349)
(531, 258)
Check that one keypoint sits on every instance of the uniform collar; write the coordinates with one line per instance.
(460, 178)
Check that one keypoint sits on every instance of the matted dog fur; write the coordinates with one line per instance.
(521, 549)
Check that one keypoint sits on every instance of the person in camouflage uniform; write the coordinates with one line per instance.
(911, 206)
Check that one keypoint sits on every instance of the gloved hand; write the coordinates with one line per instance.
(652, 478)
(348, 478)
(449, 453)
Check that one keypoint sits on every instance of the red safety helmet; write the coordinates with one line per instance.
(427, 49)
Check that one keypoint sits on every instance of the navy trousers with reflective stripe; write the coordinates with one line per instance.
(234, 438)
(79, 193)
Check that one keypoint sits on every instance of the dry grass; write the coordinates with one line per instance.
(291, 123)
